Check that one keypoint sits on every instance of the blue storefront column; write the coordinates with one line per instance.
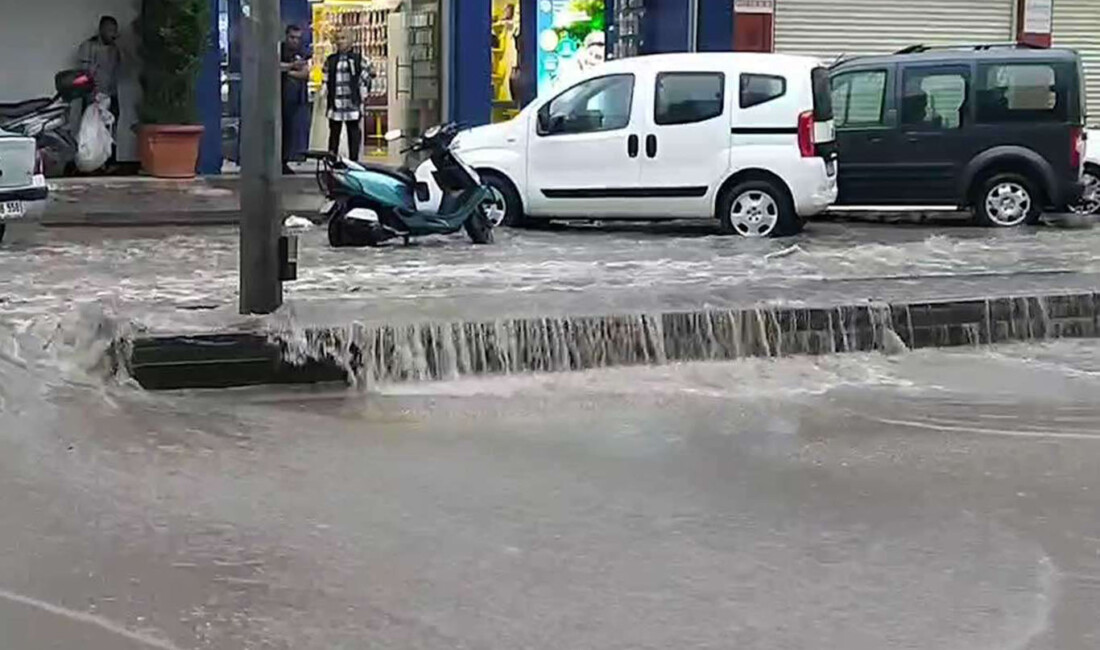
(715, 26)
(666, 26)
(470, 61)
(209, 98)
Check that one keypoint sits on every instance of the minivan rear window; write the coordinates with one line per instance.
(1024, 92)
(823, 95)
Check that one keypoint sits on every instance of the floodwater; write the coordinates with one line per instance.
(928, 500)
(177, 279)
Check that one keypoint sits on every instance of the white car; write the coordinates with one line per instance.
(1090, 200)
(745, 138)
(22, 189)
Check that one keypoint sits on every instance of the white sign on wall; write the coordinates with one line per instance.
(754, 6)
(1038, 16)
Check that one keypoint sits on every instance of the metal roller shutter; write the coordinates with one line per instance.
(829, 28)
(1077, 25)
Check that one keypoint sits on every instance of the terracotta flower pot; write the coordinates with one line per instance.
(169, 150)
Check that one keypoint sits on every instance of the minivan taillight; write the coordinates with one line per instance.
(806, 143)
(1077, 153)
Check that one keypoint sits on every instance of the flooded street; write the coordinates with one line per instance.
(928, 500)
(174, 278)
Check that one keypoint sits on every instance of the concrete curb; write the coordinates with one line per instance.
(363, 353)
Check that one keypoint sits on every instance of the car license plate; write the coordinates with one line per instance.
(11, 210)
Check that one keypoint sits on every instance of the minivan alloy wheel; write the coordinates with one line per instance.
(1090, 199)
(754, 214)
(1008, 203)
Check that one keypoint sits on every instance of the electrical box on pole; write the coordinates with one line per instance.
(261, 290)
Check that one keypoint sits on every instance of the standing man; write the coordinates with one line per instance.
(295, 68)
(347, 82)
(101, 56)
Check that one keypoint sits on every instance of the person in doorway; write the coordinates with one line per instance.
(347, 82)
(295, 73)
(101, 57)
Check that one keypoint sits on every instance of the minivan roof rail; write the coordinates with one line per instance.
(920, 47)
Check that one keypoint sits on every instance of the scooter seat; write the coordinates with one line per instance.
(24, 108)
(399, 173)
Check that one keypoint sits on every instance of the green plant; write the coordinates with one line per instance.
(175, 37)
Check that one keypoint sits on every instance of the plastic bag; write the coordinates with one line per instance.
(95, 140)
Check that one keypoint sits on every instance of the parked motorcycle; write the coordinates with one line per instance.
(370, 204)
(48, 120)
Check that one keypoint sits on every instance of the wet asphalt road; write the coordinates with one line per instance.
(930, 500)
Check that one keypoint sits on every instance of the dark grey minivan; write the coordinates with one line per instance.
(998, 129)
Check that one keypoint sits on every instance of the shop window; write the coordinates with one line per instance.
(859, 99)
(935, 98)
(600, 104)
(758, 89)
(689, 97)
(1021, 92)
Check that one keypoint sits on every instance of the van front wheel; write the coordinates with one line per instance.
(758, 209)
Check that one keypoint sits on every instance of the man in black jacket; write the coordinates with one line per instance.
(347, 81)
(295, 73)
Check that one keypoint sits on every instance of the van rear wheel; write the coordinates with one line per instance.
(1007, 200)
(3, 227)
(758, 208)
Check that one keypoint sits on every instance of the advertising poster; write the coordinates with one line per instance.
(571, 39)
(505, 39)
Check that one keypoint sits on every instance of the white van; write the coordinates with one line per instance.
(747, 138)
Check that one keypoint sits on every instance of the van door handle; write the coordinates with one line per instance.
(632, 146)
(874, 139)
(651, 146)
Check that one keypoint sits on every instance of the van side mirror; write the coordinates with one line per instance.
(543, 119)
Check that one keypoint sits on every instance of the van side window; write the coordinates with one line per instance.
(1016, 92)
(600, 104)
(758, 89)
(689, 97)
(934, 98)
(859, 98)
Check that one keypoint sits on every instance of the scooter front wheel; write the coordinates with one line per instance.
(479, 229)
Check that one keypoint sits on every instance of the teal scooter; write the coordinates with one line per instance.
(370, 204)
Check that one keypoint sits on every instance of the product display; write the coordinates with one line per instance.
(629, 16)
(367, 21)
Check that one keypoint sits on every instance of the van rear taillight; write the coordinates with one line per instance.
(1077, 150)
(806, 144)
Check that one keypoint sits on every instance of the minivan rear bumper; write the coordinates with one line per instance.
(1071, 194)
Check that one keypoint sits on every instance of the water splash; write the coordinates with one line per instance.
(373, 353)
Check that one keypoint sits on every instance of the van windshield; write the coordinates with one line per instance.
(823, 95)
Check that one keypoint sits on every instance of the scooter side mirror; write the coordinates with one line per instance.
(394, 135)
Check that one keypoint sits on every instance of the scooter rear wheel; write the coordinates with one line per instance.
(479, 229)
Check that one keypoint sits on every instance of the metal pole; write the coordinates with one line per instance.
(261, 291)
(693, 26)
